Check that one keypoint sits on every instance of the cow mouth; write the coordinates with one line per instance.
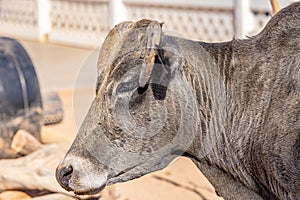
(137, 170)
(92, 191)
(119, 177)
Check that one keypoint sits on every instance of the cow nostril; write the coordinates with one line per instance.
(67, 171)
(63, 175)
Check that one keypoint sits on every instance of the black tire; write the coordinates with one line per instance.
(20, 98)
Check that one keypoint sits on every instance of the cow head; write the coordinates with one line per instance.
(143, 115)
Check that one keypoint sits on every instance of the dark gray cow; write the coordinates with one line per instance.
(232, 107)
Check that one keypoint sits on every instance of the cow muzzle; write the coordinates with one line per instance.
(81, 176)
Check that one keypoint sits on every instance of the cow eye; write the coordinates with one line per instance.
(127, 86)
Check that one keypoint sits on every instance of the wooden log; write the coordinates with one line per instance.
(54, 196)
(24, 143)
(14, 195)
(35, 171)
(6, 135)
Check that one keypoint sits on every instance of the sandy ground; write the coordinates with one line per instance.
(58, 68)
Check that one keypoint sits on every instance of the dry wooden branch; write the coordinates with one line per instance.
(24, 143)
(35, 171)
(14, 195)
(275, 6)
(181, 186)
(55, 196)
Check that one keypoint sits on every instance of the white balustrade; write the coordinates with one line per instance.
(19, 18)
(81, 22)
(86, 22)
(198, 19)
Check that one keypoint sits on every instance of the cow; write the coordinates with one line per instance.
(232, 107)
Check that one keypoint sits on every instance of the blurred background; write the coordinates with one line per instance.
(84, 23)
(63, 38)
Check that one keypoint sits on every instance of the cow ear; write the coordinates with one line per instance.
(166, 63)
(152, 39)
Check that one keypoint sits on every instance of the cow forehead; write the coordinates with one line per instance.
(126, 64)
(134, 39)
(123, 54)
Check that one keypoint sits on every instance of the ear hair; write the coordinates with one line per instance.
(163, 72)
